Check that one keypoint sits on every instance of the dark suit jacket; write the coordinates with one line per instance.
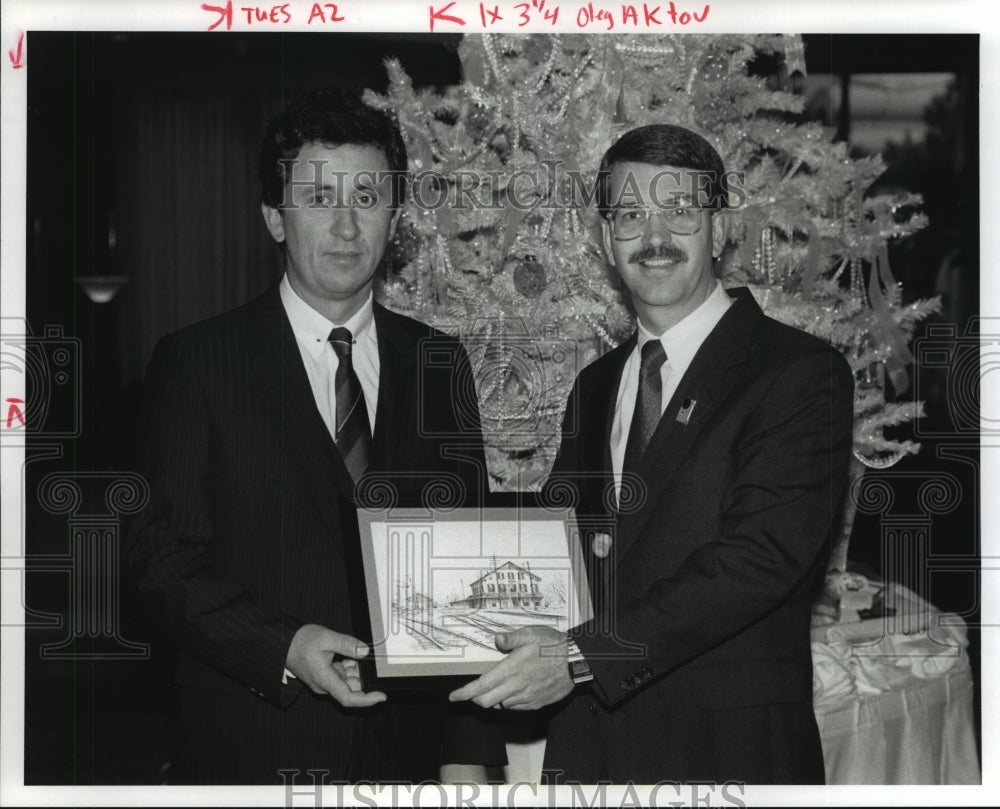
(701, 645)
(243, 540)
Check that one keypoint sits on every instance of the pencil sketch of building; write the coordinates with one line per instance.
(506, 586)
(410, 600)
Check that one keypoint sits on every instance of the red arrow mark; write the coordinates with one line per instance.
(16, 57)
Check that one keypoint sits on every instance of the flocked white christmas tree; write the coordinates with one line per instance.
(501, 246)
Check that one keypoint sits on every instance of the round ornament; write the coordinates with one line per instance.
(715, 66)
(529, 277)
(537, 48)
(479, 123)
(715, 112)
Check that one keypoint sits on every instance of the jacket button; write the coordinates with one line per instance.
(625, 685)
(636, 679)
(592, 707)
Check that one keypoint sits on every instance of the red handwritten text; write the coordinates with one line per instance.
(681, 17)
(525, 11)
(14, 412)
(440, 15)
(650, 16)
(588, 14)
(317, 11)
(494, 14)
(274, 14)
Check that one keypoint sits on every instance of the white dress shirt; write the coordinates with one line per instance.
(680, 342)
(312, 333)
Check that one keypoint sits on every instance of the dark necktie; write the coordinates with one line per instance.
(647, 404)
(354, 434)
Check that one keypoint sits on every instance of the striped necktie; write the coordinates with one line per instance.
(647, 404)
(354, 434)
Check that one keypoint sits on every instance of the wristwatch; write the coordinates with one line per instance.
(579, 668)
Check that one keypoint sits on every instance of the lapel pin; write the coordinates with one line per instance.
(684, 414)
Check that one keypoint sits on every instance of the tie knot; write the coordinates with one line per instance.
(341, 340)
(653, 355)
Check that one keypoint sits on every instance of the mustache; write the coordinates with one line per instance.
(669, 252)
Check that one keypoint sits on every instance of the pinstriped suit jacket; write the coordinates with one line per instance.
(242, 541)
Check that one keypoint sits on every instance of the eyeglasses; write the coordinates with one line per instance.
(681, 220)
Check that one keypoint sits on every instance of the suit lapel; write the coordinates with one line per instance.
(281, 383)
(707, 382)
(602, 412)
(397, 356)
(597, 506)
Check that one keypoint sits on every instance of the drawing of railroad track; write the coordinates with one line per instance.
(463, 636)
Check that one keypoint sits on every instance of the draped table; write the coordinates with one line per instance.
(893, 697)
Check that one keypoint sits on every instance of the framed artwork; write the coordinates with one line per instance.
(440, 586)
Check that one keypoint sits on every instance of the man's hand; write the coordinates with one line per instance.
(533, 675)
(311, 659)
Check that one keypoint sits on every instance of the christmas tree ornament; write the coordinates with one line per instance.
(529, 277)
(539, 48)
(715, 111)
(480, 123)
(714, 66)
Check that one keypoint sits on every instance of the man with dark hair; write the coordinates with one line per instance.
(259, 432)
(669, 148)
(316, 117)
(709, 454)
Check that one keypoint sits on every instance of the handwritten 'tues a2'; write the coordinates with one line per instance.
(280, 14)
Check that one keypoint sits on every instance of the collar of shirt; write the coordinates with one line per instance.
(312, 330)
(682, 340)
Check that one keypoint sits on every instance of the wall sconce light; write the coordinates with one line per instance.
(101, 288)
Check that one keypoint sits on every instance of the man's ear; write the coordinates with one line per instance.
(720, 231)
(274, 221)
(608, 240)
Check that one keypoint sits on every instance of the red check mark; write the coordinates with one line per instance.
(17, 57)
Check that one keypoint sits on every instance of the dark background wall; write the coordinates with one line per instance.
(141, 163)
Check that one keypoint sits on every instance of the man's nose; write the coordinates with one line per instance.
(655, 232)
(345, 222)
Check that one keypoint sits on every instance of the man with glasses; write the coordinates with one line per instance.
(709, 453)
